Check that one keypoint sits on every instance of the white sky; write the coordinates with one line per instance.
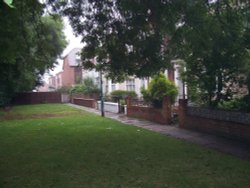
(73, 42)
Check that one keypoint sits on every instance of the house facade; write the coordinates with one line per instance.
(72, 69)
(73, 73)
(131, 84)
(135, 84)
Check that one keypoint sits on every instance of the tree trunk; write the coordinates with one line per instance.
(219, 89)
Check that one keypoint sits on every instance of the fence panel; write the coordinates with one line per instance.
(37, 98)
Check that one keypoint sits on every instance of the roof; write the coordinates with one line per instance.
(74, 57)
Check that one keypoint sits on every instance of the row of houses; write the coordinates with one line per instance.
(73, 73)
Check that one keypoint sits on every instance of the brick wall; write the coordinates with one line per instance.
(233, 125)
(91, 103)
(37, 98)
(68, 74)
(84, 96)
(88, 100)
(162, 116)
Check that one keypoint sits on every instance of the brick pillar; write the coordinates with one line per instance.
(166, 110)
(182, 112)
(94, 103)
(128, 101)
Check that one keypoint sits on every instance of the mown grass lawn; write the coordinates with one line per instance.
(58, 146)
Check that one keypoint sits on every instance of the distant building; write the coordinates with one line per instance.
(52, 83)
(131, 84)
(73, 73)
(72, 69)
(43, 88)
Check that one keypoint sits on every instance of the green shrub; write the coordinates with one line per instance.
(65, 89)
(4, 100)
(122, 94)
(146, 95)
(88, 86)
(236, 104)
(158, 88)
(77, 89)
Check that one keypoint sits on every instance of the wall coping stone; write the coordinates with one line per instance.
(237, 117)
(108, 103)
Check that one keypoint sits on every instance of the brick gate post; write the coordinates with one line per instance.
(166, 110)
(182, 112)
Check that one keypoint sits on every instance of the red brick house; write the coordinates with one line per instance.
(71, 73)
(72, 69)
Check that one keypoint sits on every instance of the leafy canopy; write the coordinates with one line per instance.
(212, 41)
(126, 37)
(132, 37)
(30, 44)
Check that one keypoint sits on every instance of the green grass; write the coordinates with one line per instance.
(85, 150)
(42, 108)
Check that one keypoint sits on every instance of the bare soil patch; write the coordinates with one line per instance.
(14, 116)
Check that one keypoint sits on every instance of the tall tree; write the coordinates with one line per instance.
(127, 37)
(141, 37)
(212, 42)
(30, 44)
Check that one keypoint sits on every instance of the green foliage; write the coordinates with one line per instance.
(126, 37)
(122, 94)
(245, 70)
(90, 86)
(30, 43)
(236, 104)
(87, 87)
(141, 37)
(158, 88)
(212, 42)
(65, 89)
(4, 99)
(79, 88)
(146, 94)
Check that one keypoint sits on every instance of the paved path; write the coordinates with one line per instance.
(221, 144)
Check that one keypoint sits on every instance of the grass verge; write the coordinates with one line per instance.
(84, 150)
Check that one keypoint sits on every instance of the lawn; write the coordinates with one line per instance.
(59, 146)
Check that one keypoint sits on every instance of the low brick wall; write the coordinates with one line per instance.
(37, 98)
(234, 125)
(91, 103)
(162, 116)
(84, 96)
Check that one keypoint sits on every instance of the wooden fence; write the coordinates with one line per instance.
(37, 98)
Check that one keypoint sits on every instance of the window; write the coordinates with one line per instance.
(113, 85)
(97, 81)
(142, 83)
(130, 84)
